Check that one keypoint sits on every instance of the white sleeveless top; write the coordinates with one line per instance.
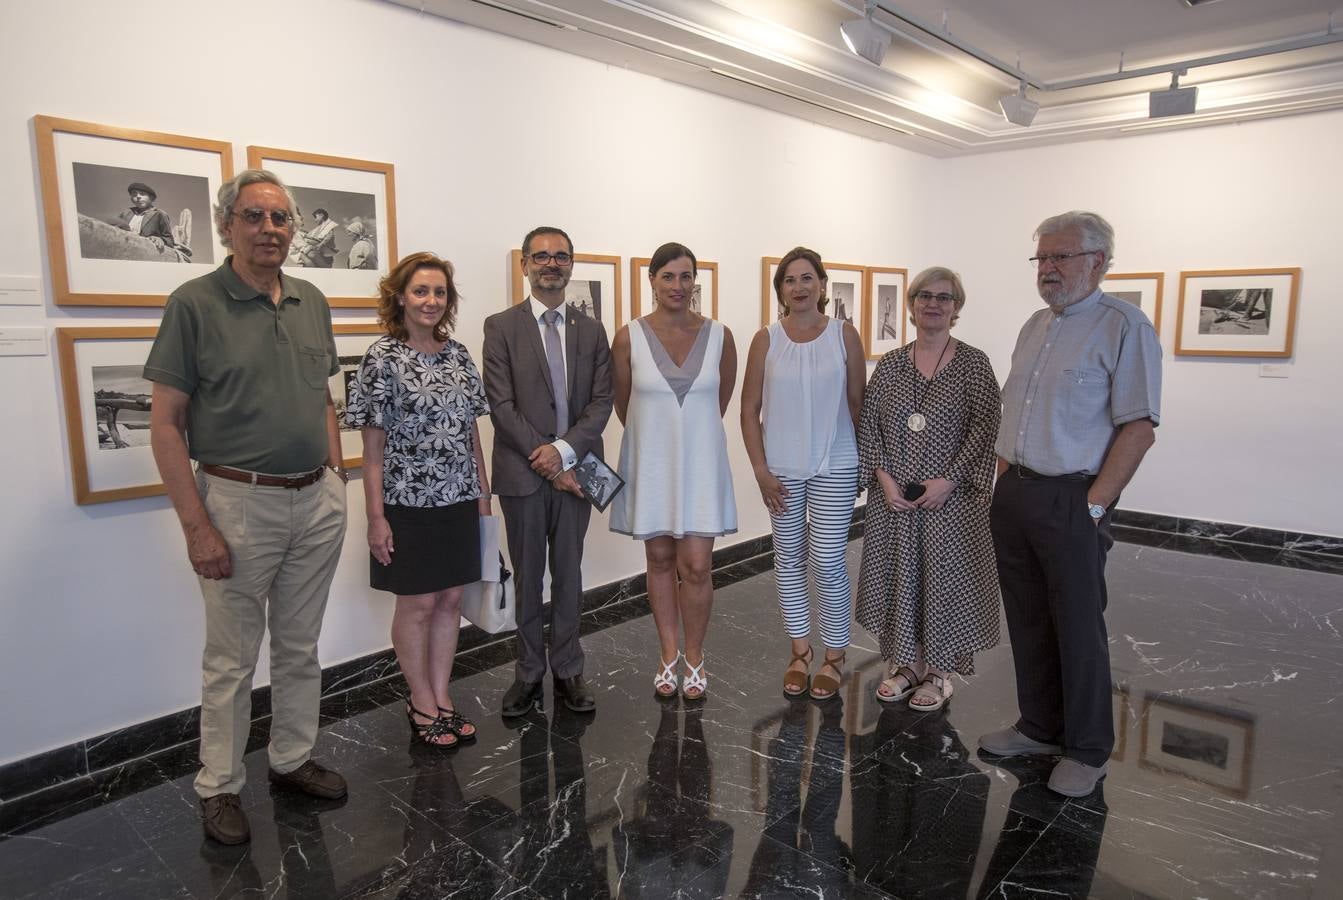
(673, 456)
(805, 411)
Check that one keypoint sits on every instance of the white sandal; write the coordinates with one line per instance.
(934, 687)
(696, 681)
(666, 682)
(897, 693)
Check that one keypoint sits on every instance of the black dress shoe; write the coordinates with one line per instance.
(575, 693)
(522, 698)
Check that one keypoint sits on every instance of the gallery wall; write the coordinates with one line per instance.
(490, 136)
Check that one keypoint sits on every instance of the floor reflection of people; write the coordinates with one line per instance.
(1063, 855)
(548, 845)
(672, 840)
(803, 833)
(918, 815)
(304, 867)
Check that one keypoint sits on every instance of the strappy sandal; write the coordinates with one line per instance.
(822, 681)
(695, 681)
(936, 689)
(429, 732)
(795, 683)
(897, 693)
(666, 682)
(457, 723)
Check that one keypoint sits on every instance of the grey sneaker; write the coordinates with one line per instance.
(1076, 779)
(1010, 742)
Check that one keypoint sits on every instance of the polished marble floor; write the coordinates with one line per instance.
(1227, 780)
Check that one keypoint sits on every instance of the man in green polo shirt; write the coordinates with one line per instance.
(240, 369)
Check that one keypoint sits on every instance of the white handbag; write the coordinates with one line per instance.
(489, 603)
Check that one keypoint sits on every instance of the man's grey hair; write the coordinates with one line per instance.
(229, 191)
(1097, 234)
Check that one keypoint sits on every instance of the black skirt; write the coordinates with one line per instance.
(435, 547)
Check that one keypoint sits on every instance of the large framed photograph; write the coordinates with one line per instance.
(352, 341)
(1142, 289)
(345, 239)
(128, 212)
(1207, 744)
(107, 406)
(884, 314)
(594, 287)
(1237, 312)
(704, 301)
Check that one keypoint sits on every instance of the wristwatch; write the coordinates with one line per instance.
(1097, 511)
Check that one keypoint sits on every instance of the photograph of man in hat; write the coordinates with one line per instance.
(147, 220)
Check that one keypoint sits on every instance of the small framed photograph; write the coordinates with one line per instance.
(352, 342)
(128, 213)
(704, 301)
(594, 287)
(884, 315)
(600, 483)
(1207, 744)
(345, 238)
(1142, 289)
(107, 405)
(769, 306)
(1237, 312)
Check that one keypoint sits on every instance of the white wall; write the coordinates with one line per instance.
(100, 622)
(1232, 447)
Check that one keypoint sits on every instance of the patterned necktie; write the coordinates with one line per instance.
(555, 359)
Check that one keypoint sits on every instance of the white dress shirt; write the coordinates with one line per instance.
(567, 457)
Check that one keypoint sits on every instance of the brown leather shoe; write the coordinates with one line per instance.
(311, 778)
(224, 819)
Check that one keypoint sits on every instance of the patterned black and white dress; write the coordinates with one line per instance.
(929, 577)
(427, 404)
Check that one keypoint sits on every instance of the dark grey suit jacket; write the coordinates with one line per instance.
(522, 404)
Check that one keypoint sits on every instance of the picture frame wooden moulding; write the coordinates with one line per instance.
(1247, 313)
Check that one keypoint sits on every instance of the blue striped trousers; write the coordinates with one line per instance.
(810, 536)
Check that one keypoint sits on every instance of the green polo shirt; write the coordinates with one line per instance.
(256, 372)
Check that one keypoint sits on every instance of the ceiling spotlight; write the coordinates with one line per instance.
(1173, 101)
(865, 37)
(1017, 109)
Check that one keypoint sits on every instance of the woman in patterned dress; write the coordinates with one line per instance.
(416, 399)
(928, 585)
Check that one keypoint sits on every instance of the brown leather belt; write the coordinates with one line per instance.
(293, 482)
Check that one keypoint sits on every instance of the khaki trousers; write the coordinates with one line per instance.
(284, 545)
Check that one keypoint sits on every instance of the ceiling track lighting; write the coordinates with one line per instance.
(1174, 100)
(865, 38)
(1017, 108)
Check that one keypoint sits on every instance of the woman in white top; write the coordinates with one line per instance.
(804, 388)
(678, 487)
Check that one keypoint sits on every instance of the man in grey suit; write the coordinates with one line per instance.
(547, 371)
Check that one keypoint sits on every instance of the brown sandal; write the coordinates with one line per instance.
(829, 686)
(795, 683)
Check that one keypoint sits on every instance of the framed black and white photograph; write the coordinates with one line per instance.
(884, 317)
(593, 289)
(704, 300)
(352, 341)
(345, 236)
(598, 481)
(107, 408)
(128, 212)
(770, 311)
(1207, 744)
(1237, 312)
(1142, 289)
(844, 287)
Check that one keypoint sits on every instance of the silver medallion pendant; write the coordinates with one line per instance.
(916, 422)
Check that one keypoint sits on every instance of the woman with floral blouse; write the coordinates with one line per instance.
(416, 398)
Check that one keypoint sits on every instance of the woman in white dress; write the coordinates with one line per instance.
(805, 376)
(674, 372)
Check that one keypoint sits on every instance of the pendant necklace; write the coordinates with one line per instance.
(917, 421)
